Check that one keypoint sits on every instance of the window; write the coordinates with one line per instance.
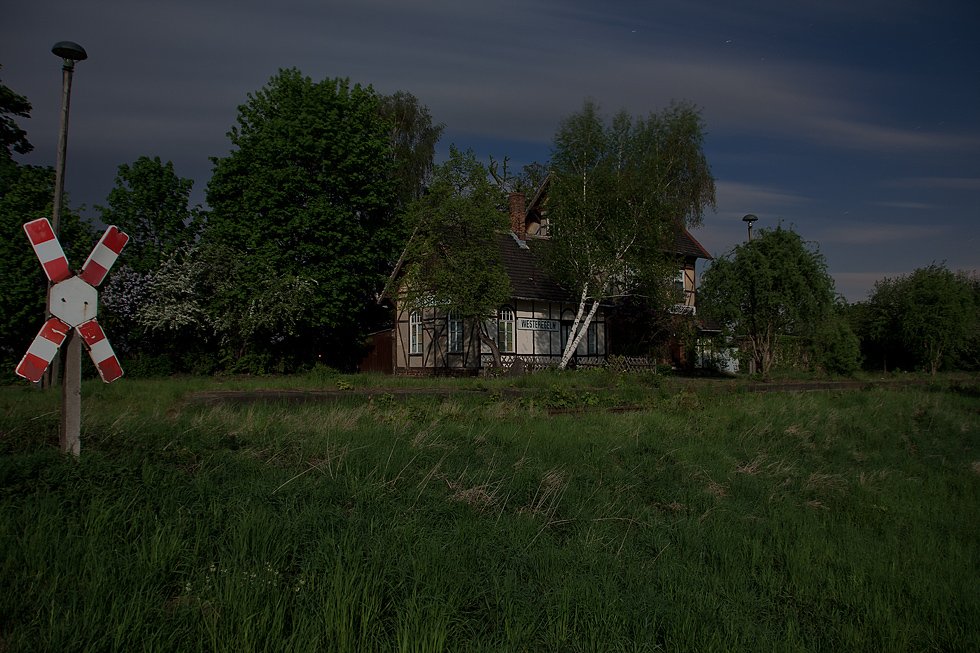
(679, 281)
(589, 344)
(566, 328)
(455, 333)
(505, 330)
(415, 333)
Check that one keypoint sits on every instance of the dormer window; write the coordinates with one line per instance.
(538, 228)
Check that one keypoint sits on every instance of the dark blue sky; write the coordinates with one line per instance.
(857, 122)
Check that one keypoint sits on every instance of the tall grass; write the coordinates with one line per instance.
(740, 522)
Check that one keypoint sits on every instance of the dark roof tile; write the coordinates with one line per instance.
(686, 245)
(525, 269)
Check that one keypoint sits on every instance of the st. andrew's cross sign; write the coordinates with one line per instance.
(73, 301)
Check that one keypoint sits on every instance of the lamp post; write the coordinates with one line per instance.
(69, 52)
(71, 387)
(749, 219)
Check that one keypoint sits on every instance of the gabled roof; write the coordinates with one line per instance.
(686, 245)
(522, 264)
(524, 267)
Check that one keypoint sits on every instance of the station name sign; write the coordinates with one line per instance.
(533, 324)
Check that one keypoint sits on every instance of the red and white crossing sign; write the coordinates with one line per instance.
(73, 301)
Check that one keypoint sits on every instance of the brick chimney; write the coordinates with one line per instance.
(518, 205)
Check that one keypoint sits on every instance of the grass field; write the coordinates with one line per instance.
(824, 521)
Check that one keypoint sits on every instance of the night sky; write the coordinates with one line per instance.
(856, 122)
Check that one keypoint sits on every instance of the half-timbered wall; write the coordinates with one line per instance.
(539, 330)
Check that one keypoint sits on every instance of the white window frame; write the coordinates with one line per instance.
(455, 333)
(505, 331)
(415, 332)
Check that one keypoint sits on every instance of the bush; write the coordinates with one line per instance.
(836, 348)
(323, 375)
(148, 366)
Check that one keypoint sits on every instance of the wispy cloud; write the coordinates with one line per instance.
(880, 233)
(738, 197)
(908, 205)
(856, 134)
(952, 183)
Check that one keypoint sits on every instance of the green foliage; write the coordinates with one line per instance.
(196, 294)
(26, 193)
(921, 319)
(968, 356)
(12, 137)
(149, 203)
(413, 140)
(453, 259)
(619, 192)
(309, 193)
(836, 348)
(777, 284)
(322, 375)
(148, 366)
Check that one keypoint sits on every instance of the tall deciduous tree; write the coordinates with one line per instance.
(926, 315)
(619, 190)
(453, 260)
(308, 192)
(413, 139)
(775, 285)
(150, 204)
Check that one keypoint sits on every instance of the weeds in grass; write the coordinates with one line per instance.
(793, 522)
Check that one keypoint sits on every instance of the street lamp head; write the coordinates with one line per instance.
(70, 52)
(748, 220)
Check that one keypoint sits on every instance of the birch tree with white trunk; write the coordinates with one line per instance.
(619, 192)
